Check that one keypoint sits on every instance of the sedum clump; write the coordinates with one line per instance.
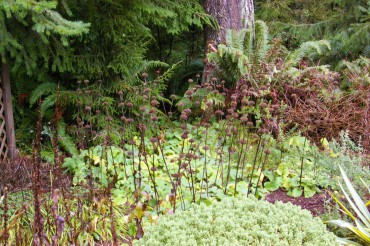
(239, 221)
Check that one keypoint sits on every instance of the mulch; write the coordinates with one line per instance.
(316, 204)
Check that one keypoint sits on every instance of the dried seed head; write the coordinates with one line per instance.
(263, 105)
(244, 119)
(183, 117)
(153, 140)
(187, 111)
(206, 125)
(231, 150)
(243, 141)
(189, 92)
(267, 151)
(219, 113)
(251, 103)
(143, 108)
(132, 142)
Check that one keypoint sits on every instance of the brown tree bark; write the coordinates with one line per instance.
(8, 106)
(230, 14)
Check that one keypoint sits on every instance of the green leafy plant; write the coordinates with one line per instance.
(244, 51)
(360, 217)
(240, 221)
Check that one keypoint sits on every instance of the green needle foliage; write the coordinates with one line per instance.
(34, 32)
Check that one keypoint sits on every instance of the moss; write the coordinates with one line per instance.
(239, 221)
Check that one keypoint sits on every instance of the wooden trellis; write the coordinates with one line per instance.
(3, 139)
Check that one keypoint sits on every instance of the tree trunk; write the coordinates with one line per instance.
(7, 101)
(230, 14)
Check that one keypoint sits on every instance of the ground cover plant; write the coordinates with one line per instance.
(117, 155)
(239, 222)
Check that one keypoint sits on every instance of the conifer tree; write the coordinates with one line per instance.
(33, 36)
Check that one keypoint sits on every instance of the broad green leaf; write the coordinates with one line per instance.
(271, 186)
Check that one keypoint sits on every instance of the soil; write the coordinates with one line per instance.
(17, 175)
(315, 204)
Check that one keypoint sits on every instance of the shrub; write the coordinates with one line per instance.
(239, 221)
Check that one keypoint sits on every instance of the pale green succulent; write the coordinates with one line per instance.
(239, 221)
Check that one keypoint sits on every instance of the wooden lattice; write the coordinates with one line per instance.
(3, 140)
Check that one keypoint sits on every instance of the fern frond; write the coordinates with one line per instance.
(248, 43)
(41, 90)
(261, 40)
(48, 102)
(65, 140)
(308, 49)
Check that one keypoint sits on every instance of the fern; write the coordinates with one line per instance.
(65, 140)
(308, 49)
(261, 40)
(42, 90)
(47, 103)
